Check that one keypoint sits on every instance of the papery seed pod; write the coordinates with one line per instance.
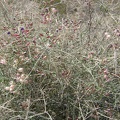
(7, 88)
(11, 83)
(105, 76)
(12, 87)
(44, 57)
(20, 70)
(22, 76)
(53, 10)
(106, 71)
(21, 80)
(3, 61)
(107, 35)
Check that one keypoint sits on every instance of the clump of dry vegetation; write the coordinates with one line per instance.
(59, 60)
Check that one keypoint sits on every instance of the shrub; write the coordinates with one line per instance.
(59, 68)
